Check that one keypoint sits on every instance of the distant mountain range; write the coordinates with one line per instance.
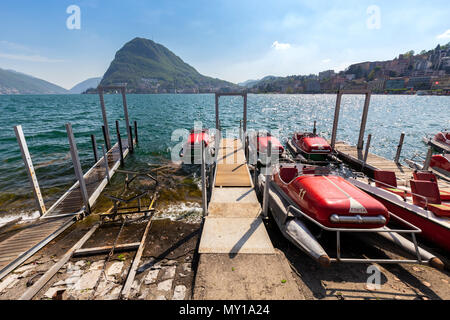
(12, 82)
(148, 67)
(252, 83)
(85, 85)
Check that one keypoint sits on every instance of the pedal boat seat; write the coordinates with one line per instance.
(430, 191)
(429, 176)
(388, 181)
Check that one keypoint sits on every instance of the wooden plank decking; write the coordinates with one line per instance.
(26, 242)
(403, 174)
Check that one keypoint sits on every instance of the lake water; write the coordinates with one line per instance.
(43, 118)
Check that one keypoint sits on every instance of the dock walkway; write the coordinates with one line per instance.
(22, 245)
(237, 258)
(374, 162)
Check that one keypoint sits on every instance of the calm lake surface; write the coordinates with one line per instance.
(43, 118)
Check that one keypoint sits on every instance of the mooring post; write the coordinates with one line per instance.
(399, 148)
(363, 122)
(136, 131)
(204, 195)
(217, 111)
(240, 130)
(245, 113)
(130, 134)
(267, 179)
(315, 129)
(105, 160)
(336, 119)
(30, 170)
(366, 154)
(105, 120)
(94, 147)
(77, 167)
(427, 162)
(125, 111)
(120, 144)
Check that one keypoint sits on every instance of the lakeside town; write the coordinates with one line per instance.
(424, 73)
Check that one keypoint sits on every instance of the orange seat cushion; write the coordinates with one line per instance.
(441, 210)
(398, 192)
(445, 195)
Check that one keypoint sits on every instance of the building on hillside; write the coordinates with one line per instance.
(312, 86)
(395, 84)
(337, 83)
(326, 74)
(419, 83)
(441, 84)
(376, 85)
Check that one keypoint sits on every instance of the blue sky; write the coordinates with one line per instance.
(231, 40)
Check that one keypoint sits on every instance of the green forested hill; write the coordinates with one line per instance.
(12, 82)
(149, 67)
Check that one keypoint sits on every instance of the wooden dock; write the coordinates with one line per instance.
(237, 258)
(23, 244)
(404, 174)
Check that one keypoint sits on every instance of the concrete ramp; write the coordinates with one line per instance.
(237, 258)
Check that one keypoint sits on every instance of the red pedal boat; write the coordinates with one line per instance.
(441, 164)
(440, 142)
(309, 147)
(331, 200)
(191, 151)
(422, 205)
(300, 197)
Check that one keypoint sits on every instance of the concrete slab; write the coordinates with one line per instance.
(235, 235)
(234, 210)
(245, 277)
(234, 195)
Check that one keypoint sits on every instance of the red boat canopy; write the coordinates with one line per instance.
(197, 137)
(263, 142)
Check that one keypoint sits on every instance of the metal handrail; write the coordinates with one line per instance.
(384, 229)
(415, 229)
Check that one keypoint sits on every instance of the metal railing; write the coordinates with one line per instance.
(300, 214)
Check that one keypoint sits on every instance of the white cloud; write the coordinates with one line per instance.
(30, 58)
(326, 61)
(281, 46)
(445, 35)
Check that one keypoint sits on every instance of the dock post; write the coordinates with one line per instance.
(366, 154)
(267, 180)
(30, 170)
(245, 113)
(136, 132)
(240, 130)
(105, 160)
(94, 147)
(130, 134)
(399, 148)
(105, 120)
(77, 167)
(204, 195)
(315, 129)
(363, 122)
(217, 112)
(336, 118)
(426, 164)
(125, 111)
(120, 143)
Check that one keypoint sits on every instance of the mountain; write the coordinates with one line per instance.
(12, 82)
(252, 83)
(149, 67)
(85, 85)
